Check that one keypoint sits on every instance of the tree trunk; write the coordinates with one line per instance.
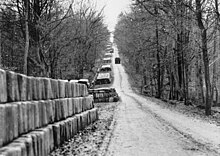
(152, 85)
(0, 43)
(163, 68)
(215, 54)
(214, 71)
(206, 72)
(199, 79)
(27, 40)
(186, 85)
(158, 95)
(205, 56)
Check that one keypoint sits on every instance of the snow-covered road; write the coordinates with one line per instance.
(143, 128)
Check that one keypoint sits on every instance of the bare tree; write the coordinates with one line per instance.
(27, 40)
(199, 15)
(0, 40)
(184, 41)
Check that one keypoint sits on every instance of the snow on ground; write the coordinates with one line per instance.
(89, 141)
(201, 131)
(145, 128)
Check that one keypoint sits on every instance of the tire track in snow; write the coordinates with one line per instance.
(203, 147)
(196, 145)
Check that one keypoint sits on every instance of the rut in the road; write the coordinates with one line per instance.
(139, 130)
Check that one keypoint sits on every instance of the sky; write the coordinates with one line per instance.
(112, 9)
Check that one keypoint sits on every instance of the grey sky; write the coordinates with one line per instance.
(112, 9)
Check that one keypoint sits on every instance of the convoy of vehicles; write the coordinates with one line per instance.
(101, 88)
(103, 92)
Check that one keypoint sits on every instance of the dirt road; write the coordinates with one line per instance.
(143, 128)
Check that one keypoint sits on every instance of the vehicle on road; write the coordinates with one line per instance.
(107, 60)
(108, 55)
(107, 94)
(105, 68)
(110, 50)
(117, 60)
(103, 78)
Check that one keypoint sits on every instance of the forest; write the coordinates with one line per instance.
(173, 47)
(51, 38)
